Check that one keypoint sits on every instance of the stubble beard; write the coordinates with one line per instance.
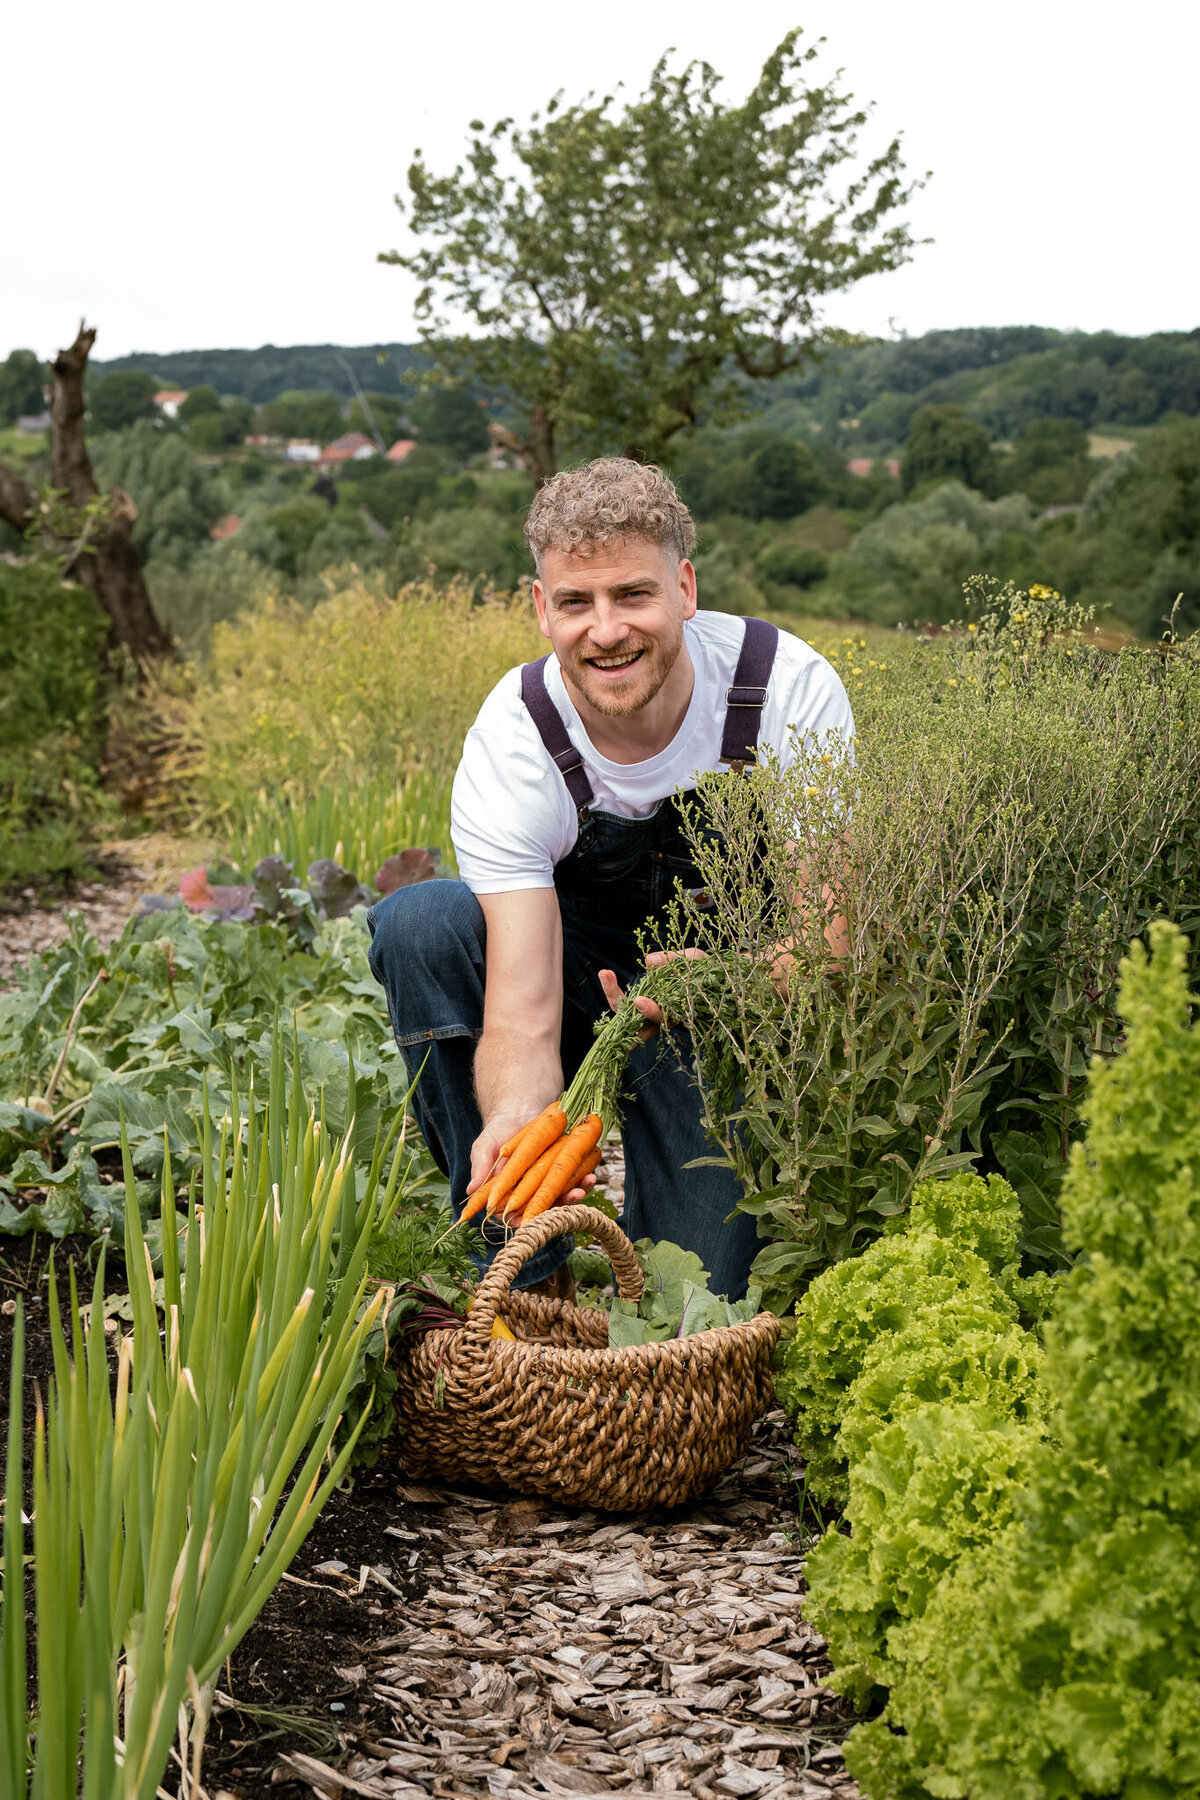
(646, 679)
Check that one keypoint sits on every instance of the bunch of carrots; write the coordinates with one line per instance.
(543, 1162)
(552, 1153)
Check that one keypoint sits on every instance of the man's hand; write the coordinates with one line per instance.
(485, 1151)
(650, 1010)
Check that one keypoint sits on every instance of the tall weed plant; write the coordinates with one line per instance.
(366, 684)
(1019, 806)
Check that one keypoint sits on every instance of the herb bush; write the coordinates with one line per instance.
(53, 711)
(1027, 1594)
(1019, 806)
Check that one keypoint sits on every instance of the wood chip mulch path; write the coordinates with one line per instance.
(515, 1648)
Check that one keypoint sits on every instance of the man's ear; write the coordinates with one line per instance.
(687, 583)
(539, 600)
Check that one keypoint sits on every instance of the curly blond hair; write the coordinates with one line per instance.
(607, 501)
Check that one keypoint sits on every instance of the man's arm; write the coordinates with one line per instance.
(518, 1069)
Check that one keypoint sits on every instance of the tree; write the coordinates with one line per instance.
(217, 427)
(944, 444)
(627, 269)
(452, 419)
(200, 401)
(296, 414)
(93, 533)
(178, 499)
(22, 384)
(120, 400)
(757, 473)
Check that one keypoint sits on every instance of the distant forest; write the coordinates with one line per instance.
(866, 395)
(260, 375)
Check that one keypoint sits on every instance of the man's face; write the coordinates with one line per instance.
(615, 618)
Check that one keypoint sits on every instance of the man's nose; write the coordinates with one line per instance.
(607, 628)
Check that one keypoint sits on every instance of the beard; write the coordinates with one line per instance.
(618, 699)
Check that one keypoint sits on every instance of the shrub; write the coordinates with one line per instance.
(992, 869)
(53, 706)
(217, 585)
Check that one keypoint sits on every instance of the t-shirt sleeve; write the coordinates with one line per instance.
(812, 707)
(507, 818)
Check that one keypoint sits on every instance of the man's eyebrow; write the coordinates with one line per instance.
(634, 583)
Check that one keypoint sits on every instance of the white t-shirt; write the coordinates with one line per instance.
(512, 818)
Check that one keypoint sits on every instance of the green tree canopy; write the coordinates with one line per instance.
(121, 399)
(453, 419)
(22, 385)
(627, 267)
(178, 500)
(755, 472)
(201, 400)
(945, 445)
(298, 414)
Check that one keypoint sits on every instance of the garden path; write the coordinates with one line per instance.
(448, 1643)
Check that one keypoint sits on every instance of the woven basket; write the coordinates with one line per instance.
(558, 1412)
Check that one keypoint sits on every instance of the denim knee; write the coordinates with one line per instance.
(419, 924)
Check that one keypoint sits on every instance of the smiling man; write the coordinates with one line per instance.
(570, 841)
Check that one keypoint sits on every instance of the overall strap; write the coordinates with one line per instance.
(745, 700)
(553, 734)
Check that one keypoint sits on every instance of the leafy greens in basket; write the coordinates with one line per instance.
(676, 1300)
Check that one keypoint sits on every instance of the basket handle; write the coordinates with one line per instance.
(533, 1237)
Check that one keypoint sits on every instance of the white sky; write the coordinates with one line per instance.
(229, 176)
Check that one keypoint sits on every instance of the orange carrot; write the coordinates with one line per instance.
(531, 1181)
(476, 1203)
(575, 1147)
(540, 1134)
(518, 1216)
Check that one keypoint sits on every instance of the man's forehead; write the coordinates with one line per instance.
(591, 568)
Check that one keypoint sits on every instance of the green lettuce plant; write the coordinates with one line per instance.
(1027, 1593)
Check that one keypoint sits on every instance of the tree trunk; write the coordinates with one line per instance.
(535, 453)
(105, 561)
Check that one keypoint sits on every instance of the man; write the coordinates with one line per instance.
(569, 840)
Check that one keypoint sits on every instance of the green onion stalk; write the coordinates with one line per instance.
(169, 1502)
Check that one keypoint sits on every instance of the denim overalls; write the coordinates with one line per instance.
(429, 951)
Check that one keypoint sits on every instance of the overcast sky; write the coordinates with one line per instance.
(223, 174)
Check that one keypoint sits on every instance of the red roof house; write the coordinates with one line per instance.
(402, 448)
(352, 446)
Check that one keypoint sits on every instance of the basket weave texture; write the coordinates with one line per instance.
(558, 1412)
